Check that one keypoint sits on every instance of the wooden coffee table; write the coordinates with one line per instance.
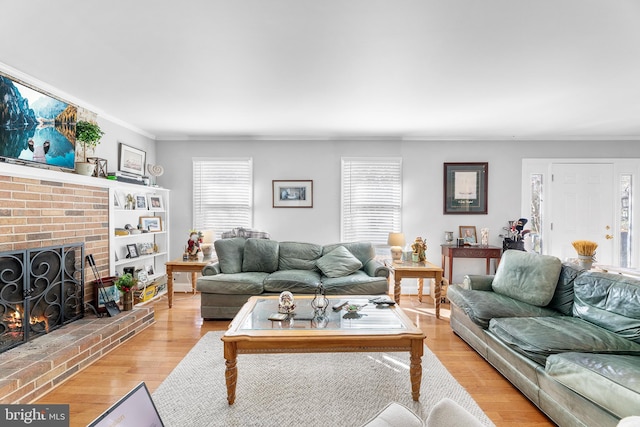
(387, 329)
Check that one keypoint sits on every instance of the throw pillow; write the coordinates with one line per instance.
(229, 253)
(260, 255)
(527, 277)
(338, 263)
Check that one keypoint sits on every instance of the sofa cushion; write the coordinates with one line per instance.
(563, 296)
(260, 255)
(298, 256)
(357, 283)
(612, 381)
(295, 281)
(482, 306)
(539, 337)
(338, 263)
(611, 301)
(230, 253)
(229, 284)
(364, 251)
(527, 277)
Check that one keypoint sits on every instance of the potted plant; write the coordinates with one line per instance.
(126, 284)
(89, 134)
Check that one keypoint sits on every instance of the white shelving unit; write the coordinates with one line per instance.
(147, 250)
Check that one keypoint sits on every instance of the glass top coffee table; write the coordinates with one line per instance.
(373, 328)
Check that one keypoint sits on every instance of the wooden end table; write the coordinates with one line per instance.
(420, 271)
(179, 265)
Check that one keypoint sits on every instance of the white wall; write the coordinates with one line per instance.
(422, 183)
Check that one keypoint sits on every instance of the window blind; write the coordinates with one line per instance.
(222, 194)
(371, 199)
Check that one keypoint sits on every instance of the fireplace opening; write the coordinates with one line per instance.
(40, 290)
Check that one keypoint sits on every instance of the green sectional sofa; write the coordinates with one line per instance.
(248, 267)
(567, 338)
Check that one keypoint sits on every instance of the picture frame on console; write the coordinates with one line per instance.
(468, 234)
(296, 193)
(131, 160)
(465, 188)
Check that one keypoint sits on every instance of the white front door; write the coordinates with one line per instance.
(582, 207)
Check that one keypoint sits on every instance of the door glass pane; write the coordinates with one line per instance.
(625, 220)
(535, 235)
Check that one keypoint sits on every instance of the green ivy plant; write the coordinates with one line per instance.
(89, 134)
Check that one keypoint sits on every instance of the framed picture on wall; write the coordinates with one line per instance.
(465, 188)
(131, 160)
(292, 194)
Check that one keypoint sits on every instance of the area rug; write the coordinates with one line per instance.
(340, 389)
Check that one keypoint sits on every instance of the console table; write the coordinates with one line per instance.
(454, 251)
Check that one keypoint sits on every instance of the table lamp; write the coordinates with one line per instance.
(207, 243)
(396, 241)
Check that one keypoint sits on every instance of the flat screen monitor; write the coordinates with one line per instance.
(135, 409)
(36, 128)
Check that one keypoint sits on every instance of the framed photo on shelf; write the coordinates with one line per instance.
(149, 269)
(117, 202)
(141, 202)
(468, 234)
(292, 194)
(151, 223)
(465, 188)
(154, 202)
(145, 248)
(132, 251)
(131, 160)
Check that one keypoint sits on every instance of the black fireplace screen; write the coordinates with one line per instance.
(40, 290)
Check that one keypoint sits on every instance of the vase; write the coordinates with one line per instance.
(85, 168)
(127, 301)
(415, 257)
(585, 261)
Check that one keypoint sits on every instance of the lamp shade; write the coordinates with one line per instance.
(207, 236)
(396, 239)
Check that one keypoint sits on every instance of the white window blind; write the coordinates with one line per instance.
(222, 194)
(371, 199)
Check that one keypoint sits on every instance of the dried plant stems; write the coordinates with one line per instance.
(585, 247)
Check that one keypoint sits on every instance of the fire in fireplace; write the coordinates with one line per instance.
(40, 290)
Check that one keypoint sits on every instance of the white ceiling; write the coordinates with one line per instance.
(471, 69)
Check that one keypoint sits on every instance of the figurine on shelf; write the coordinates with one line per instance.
(193, 245)
(419, 249)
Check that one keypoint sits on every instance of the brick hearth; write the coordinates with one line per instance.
(34, 368)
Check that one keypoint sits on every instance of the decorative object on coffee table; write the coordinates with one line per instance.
(320, 302)
(285, 303)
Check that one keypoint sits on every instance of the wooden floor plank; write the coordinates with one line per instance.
(151, 355)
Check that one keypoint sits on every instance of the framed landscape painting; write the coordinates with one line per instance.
(465, 188)
(292, 194)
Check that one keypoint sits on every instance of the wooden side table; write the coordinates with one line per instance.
(454, 251)
(420, 271)
(179, 265)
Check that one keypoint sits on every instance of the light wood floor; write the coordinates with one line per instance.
(152, 355)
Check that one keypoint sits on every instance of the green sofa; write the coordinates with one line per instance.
(567, 338)
(248, 267)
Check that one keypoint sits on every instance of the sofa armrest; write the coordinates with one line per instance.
(478, 282)
(211, 269)
(375, 268)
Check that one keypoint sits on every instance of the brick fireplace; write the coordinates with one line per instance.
(40, 209)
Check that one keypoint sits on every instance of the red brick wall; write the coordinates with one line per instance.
(37, 213)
